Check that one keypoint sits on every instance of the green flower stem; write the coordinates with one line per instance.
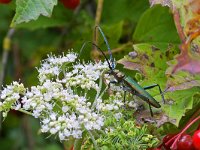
(25, 112)
(98, 92)
(93, 140)
(104, 91)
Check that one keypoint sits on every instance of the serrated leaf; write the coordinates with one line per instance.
(184, 101)
(185, 61)
(27, 10)
(189, 29)
(151, 61)
(57, 19)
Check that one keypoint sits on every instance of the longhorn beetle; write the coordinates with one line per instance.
(129, 85)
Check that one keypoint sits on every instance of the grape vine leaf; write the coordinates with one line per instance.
(184, 101)
(182, 80)
(57, 19)
(188, 26)
(27, 10)
(151, 61)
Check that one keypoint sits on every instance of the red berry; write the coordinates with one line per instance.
(72, 147)
(196, 139)
(71, 4)
(166, 139)
(185, 143)
(5, 1)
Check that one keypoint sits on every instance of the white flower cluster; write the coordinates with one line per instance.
(52, 66)
(84, 75)
(42, 98)
(62, 109)
(110, 107)
(11, 95)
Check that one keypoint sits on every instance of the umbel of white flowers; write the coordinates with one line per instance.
(56, 102)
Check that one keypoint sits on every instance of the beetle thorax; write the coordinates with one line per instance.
(117, 74)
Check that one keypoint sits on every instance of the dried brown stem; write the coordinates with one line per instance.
(98, 19)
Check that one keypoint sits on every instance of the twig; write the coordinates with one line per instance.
(97, 20)
(96, 54)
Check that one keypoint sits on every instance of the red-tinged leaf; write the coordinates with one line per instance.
(182, 80)
(186, 61)
(151, 61)
(193, 16)
(180, 98)
(188, 26)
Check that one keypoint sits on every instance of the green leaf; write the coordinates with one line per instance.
(57, 19)
(112, 37)
(183, 101)
(181, 96)
(123, 10)
(156, 25)
(27, 10)
(182, 80)
(151, 62)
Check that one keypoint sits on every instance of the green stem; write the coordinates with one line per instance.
(98, 92)
(93, 140)
(104, 91)
(25, 112)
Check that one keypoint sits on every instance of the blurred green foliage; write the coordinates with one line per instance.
(123, 22)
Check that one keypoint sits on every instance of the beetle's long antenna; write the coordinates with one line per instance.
(99, 49)
(106, 41)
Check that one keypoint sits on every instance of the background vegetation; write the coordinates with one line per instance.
(129, 25)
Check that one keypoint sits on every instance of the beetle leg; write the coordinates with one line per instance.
(139, 95)
(111, 82)
(154, 85)
(124, 96)
(150, 109)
